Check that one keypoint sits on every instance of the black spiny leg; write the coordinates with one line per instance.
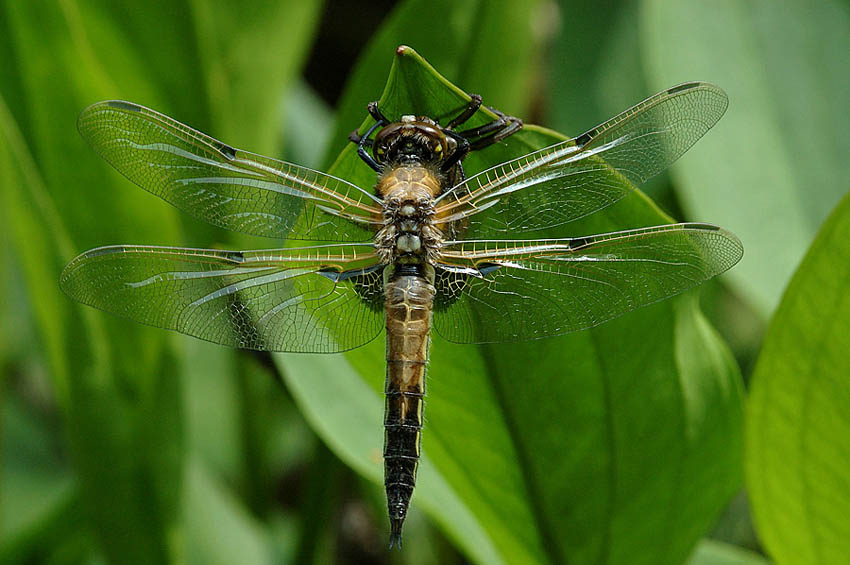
(459, 153)
(372, 108)
(471, 107)
(479, 137)
(363, 142)
(488, 134)
(363, 153)
(462, 150)
(497, 130)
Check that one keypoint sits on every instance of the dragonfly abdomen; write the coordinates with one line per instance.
(409, 301)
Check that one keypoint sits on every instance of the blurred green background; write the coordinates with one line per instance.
(708, 429)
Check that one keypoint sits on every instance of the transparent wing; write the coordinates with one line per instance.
(572, 179)
(227, 187)
(493, 291)
(321, 299)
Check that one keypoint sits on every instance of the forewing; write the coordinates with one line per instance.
(495, 291)
(572, 179)
(228, 187)
(322, 299)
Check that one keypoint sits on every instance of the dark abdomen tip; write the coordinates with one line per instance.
(395, 532)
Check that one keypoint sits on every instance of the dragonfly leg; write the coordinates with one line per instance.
(488, 134)
(355, 138)
(462, 150)
(375, 112)
(363, 142)
(471, 107)
(497, 130)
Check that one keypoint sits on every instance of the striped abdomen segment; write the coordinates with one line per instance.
(409, 300)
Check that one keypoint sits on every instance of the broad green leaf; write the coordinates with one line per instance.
(34, 481)
(711, 552)
(123, 446)
(249, 57)
(607, 78)
(588, 89)
(307, 126)
(208, 373)
(798, 413)
(119, 390)
(776, 164)
(219, 528)
(77, 353)
(619, 444)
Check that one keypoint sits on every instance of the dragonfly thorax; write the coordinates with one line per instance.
(412, 141)
(408, 234)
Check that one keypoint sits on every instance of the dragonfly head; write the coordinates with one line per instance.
(412, 140)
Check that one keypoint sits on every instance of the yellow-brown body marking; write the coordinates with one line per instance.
(408, 233)
(409, 182)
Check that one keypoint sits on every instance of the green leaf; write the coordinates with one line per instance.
(711, 552)
(251, 54)
(123, 451)
(34, 481)
(307, 126)
(117, 384)
(219, 528)
(588, 89)
(619, 444)
(209, 374)
(798, 412)
(76, 350)
(33, 245)
(776, 163)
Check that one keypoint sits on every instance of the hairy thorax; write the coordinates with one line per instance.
(408, 234)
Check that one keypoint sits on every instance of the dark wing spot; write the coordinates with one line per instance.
(449, 287)
(584, 138)
(682, 87)
(368, 283)
(336, 275)
(330, 274)
(226, 150)
(236, 256)
(487, 268)
(121, 105)
(580, 242)
(242, 323)
(451, 284)
(709, 227)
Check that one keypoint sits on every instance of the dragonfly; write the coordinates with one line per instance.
(427, 248)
